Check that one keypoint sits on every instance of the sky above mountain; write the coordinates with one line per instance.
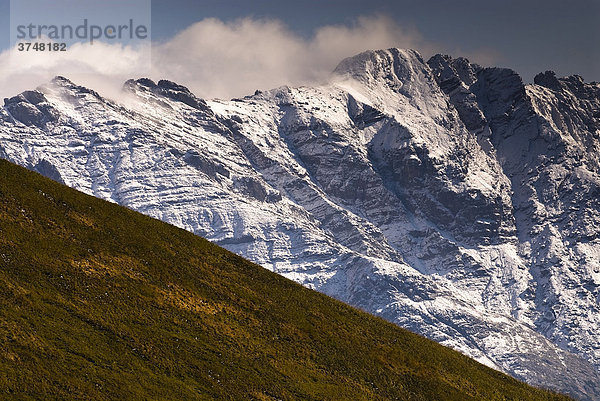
(261, 44)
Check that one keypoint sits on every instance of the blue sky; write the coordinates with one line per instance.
(528, 35)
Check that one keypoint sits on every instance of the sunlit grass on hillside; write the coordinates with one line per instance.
(98, 302)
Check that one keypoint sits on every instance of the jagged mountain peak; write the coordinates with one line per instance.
(30, 108)
(547, 79)
(166, 89)
(61, 80)
(448, 69)
(572, 83)
(393, 65)
(57, 84)
(33, 97)
(66, 85)
(163, 83)
(143, 82)
(450, 72)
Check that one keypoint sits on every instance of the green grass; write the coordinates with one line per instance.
(98, 302)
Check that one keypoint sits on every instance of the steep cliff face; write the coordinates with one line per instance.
(448, 198)
(546, 138)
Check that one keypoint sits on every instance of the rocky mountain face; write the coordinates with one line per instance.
(451, 199)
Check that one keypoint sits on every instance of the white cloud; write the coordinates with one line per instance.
(231, 59)
(214, 58)
(100, 66)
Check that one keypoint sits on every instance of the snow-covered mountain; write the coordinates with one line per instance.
(448, 198)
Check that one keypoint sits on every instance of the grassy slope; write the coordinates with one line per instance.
(99, 302)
